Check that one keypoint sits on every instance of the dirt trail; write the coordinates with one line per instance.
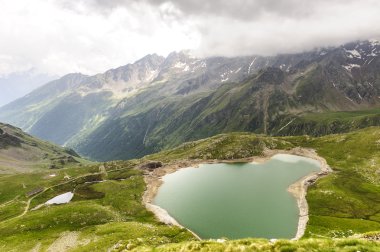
(36, 248)
(26, 209)
(10, 201)
(66, 241)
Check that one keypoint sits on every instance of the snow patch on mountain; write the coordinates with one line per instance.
(374, 42)
(350, 66)
(250, 65)
(361, 98)
(186, 69)
(353, 54)
(180, 65)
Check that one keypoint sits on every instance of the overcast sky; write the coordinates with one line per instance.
(55, 37)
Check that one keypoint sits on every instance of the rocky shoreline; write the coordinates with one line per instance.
(153, 180)
(299, 188)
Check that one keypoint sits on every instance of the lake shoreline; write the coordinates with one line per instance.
(153, 180)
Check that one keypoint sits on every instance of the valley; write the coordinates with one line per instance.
(157, 103)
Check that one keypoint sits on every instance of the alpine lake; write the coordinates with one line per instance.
(237, 200)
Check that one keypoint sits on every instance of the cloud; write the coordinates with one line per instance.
(247, 9)
(90, 36)
(328, 24)
(54, 37)
(267, 27)
(237, 9)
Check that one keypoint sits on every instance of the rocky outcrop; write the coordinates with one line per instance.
(7, 140)
(151, 165)
(271, 75)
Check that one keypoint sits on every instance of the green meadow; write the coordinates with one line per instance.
(107, 212)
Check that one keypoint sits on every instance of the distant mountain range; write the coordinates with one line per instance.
(157, 103)
(18, 84)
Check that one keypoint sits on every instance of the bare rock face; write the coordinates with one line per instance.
(61, 161)
(272, 75)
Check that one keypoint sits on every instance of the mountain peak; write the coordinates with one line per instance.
(73, 76)
(151, 59)
(180, 59)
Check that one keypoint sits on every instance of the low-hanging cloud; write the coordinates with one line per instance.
(328, 24)
(60, 36)
(268, 27)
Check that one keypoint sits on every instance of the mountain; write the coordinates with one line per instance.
(157, 103)
(20, 153)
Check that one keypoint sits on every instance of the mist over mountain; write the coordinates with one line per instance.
(16, 85)
(159, 102)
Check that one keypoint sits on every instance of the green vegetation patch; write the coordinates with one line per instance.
(131, 235)
(261, 245)
(223, 147)
(107, 213)
(107, 208)
(349, 198)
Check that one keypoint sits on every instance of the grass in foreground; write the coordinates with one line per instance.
(100, 214)
(110, 216)
(260, 245)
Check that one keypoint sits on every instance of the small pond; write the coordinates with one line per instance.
(61, 199)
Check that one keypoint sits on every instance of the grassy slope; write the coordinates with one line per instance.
(223, 146)
(110, 214)
(21, 153)
(349, 199)
(319, 124)
(101, 213)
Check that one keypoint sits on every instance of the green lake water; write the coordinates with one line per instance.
(236, 200)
